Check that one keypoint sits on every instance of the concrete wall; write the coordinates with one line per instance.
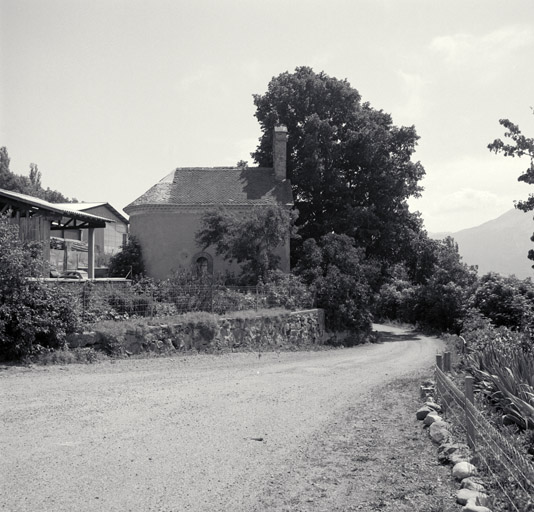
(167, 240)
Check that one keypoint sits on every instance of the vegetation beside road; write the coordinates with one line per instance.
(356, 247)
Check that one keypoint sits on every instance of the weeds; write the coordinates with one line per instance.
(67, 356)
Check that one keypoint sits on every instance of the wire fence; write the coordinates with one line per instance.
(116, 301)
(507, 469)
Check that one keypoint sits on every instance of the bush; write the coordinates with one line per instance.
(437, 302)
(337, 272)
(31, 313)
(506, 301)
(287, 291)
(226, 299)
(396, 298)
(129, 261)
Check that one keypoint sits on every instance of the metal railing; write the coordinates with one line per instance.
(119, 301)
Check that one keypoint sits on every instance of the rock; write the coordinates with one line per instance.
(133, 342)
(450, 448)
(473, 483)
(421, 414)
(470, 507)
(439, 432)
(432, 417)
(426, 391)
(454, 453)
(447, 448)
(80, 340)
(458, 456)
(433, 405)
(464, 496)
(463, 470)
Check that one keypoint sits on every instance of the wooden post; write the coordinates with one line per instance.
(91, 253)
(469, 400)
(212, 291)
(447, 361)
(439, 364)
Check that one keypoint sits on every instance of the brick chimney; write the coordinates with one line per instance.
(280, 152)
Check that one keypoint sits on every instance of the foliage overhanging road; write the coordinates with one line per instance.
(184, 433)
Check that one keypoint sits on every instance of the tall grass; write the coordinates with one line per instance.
(507, 377)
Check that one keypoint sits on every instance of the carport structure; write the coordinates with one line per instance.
(37, 219)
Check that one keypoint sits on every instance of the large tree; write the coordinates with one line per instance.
(250, 238)
(519, 146)
(349, 165)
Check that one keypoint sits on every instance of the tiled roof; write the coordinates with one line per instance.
(217, 186)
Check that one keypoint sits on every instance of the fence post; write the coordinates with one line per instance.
(447, 361)
(469, 400)
(212, 290)
(83, 301)
(256, 298)
(439, 364)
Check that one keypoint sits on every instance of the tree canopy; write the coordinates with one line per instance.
(519, 146)
(30, 185)
(250, 239)
(128, 262)
(349, 165)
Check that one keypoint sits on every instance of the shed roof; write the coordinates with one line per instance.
(212, 186)
(80, 207)
(35, 205)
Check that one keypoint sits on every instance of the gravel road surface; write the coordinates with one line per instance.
(195, 433)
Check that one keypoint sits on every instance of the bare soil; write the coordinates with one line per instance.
(306, 431)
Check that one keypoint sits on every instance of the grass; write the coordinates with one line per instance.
(67, 356)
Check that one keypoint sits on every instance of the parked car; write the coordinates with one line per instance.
(74, 274)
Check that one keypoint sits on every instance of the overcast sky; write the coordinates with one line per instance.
(109, 96)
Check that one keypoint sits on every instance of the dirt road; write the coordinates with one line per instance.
(198, 433)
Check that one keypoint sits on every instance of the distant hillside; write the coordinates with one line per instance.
(499, 245)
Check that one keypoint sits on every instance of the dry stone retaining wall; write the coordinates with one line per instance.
(298, 329)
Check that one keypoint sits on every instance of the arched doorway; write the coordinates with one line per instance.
(202, 264)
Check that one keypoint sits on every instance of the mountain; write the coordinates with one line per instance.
(499, 245)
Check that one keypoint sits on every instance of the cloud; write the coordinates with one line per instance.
(471, 200)
(414, 104)
(461, 209)
(492, 47)
(198, 77)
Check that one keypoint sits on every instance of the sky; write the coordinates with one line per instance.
(109, 96)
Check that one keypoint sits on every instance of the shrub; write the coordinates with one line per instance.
(31, 313)
(286, 290)
(337, 272)
(506, 301)
(129, 261)
(226, 299)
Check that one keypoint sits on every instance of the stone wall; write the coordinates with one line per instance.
(299, 329)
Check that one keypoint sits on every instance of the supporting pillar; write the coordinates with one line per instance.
(91, 253)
